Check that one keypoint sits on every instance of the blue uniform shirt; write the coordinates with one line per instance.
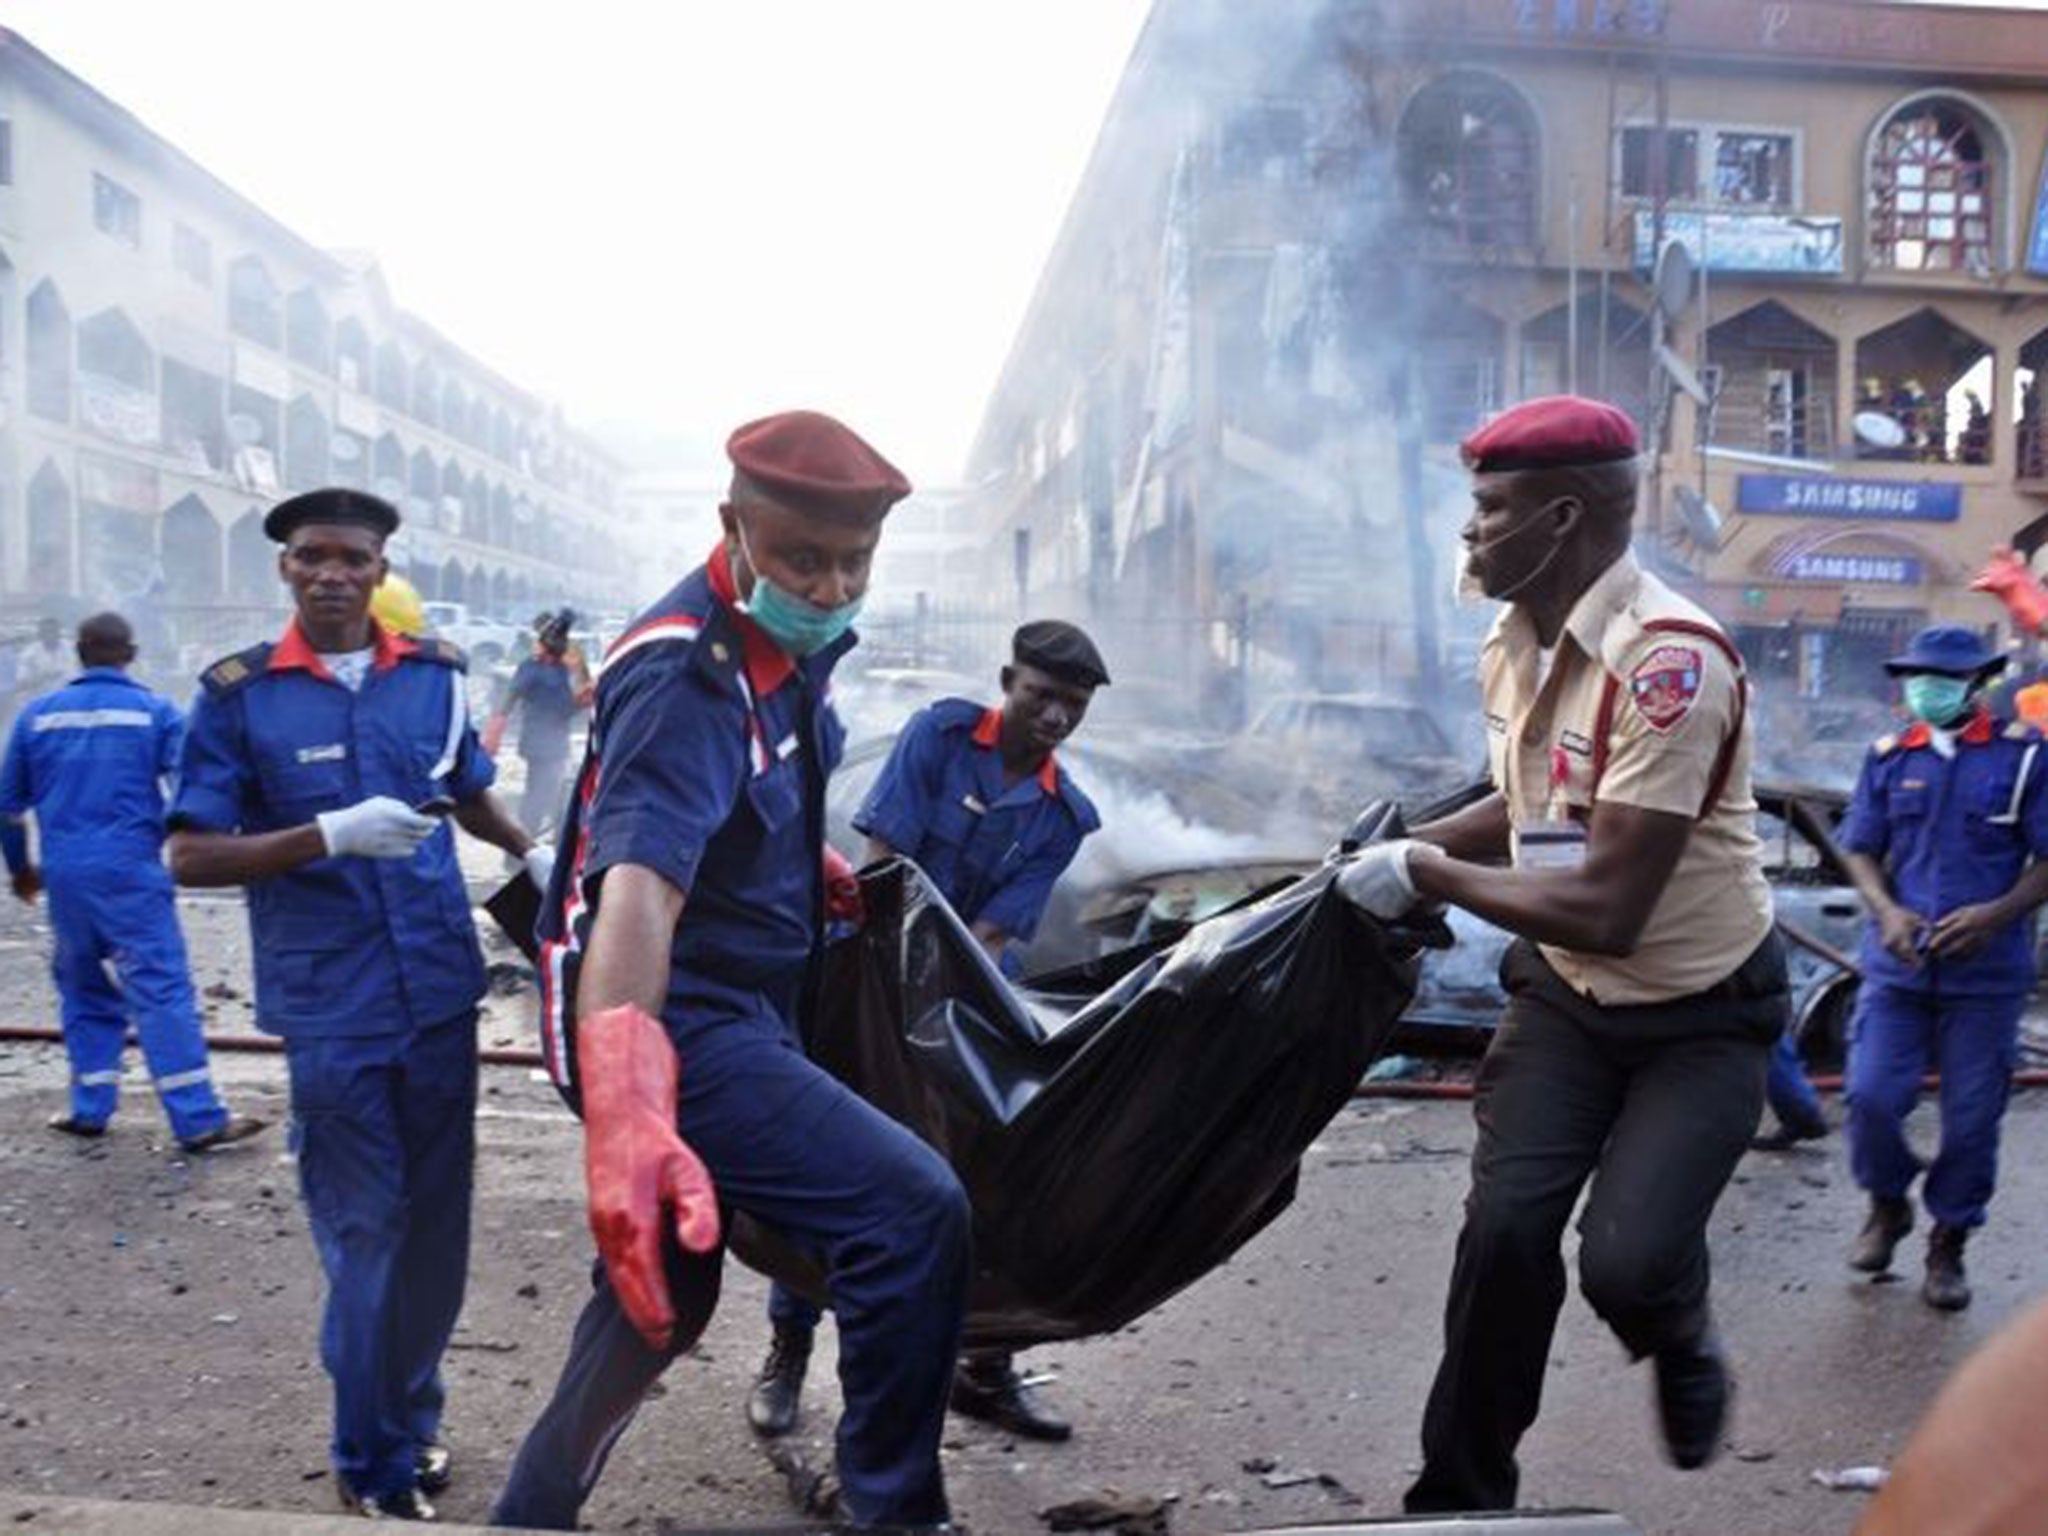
(546, 696)
(1951, 832)
(993, 850)
(351, 946)
(89, 760)
(706, 763)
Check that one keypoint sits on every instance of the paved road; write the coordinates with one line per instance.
(160, 1315)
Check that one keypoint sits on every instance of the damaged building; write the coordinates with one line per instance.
(173, 361)
(1318, 241)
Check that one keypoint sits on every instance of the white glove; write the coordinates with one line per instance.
(377, 828)
(540, 864)
(1378, 880)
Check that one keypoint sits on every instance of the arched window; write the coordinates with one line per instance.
(110, 346)
(253, 310)
(305, 445)
(352, 354)
(454, 410)
(309, 339)
(49, 531)
(387, 469)
(49, 353)
(390, 375)
(252, 561)
(1934, 169)
(426, 385)
(190, 552)
(1466, 152)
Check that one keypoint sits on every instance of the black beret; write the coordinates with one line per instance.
(1059, 650)
(334, 504)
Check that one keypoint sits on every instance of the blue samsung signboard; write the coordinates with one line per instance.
(1908, 501)
(1863, 570)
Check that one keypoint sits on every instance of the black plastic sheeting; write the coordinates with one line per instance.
(1122, 1128)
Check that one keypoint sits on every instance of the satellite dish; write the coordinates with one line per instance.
(245, 429)
(344, 449)
(1672, 282)
(1701, 517)
(1878, 429)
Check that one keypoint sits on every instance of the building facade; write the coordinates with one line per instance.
(173, 361)
(1314, 248)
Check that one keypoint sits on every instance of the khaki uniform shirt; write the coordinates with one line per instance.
(1673, 711)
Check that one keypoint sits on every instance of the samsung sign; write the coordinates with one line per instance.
(1864, 570)
(1827, 496)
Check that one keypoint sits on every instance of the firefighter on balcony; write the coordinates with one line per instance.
(320, 772)
(1946, 837)
(973, 796)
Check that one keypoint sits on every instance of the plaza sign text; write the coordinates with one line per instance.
(1909, 501)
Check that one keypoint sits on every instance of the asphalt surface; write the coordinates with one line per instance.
(160, 1315)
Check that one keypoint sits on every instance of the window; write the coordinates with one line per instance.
(1931, 184)
(1681, 163)
(192, 254)
(253, 307)
(1714, 166)
(1466, 149)
(6, 153)
(116, 211)
(1753, 169)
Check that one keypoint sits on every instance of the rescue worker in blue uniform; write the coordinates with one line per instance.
(90, 761)
(1947, 838)
(694, 895)
(975, 798)
(547, 690)
(320, 772)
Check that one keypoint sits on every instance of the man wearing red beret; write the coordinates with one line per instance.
(678, 944)
(1646, 983)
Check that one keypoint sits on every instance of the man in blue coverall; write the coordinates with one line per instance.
(547, 689)
(318, 771)
(695, 897)
(973, 796)
(90, 761)
(1947, 838)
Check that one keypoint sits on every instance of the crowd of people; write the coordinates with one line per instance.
(328, 770)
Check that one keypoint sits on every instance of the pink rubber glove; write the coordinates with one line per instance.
(843, 902)
(638, 1171)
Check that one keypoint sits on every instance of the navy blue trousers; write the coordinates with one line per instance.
(1788, 1091)
(385, 1131)
(1972, 1042)
(794, 1148)
(125, 917)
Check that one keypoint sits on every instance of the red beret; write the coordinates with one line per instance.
(1549, 432)
(814, 464)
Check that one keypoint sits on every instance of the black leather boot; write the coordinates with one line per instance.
(1946, 1288)
(1692, 1400)
(1889, 1220)
(778, 1394)
(987, 1387)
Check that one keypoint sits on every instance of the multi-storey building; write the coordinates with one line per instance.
(173, 360)
(1318, 241)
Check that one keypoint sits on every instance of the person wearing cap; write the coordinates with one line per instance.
(89, 761)
(547, 690)
(320, 770)
(1947, 840)
(974, 796)
(1645, 984)
(678, 945)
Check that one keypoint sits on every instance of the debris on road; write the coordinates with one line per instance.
(1852, 1479)
(1118, 1513)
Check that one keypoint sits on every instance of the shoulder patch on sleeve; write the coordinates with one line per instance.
(1665, 684)
(1884, 746)
(232, 672)
(445, 653)
(2021, 730)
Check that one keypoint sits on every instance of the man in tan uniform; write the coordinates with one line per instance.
(1645, 985)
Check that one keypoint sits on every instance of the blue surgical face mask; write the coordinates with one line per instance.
(795, 623)
(1935, 699)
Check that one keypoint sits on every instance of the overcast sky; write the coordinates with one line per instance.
(678, 214)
